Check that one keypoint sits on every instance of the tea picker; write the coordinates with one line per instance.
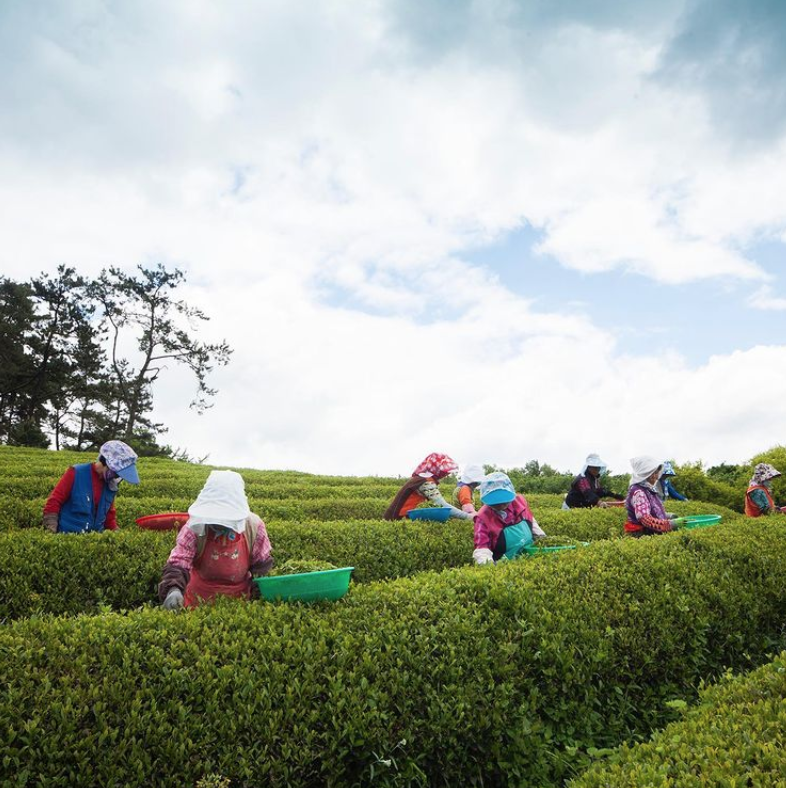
(586, 489)
(423, 487)
(468, 481)
(758, 496)
(218, 551)
(646, 514)
(84, 498)
(664, 487)
(505, 524)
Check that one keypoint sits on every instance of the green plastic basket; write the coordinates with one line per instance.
(306, 586)
(535, 550)
(697, 520)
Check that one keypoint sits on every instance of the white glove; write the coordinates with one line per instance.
(468, 508)
(174, 600)
(483, 556)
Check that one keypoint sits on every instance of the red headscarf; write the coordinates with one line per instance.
(438, 465)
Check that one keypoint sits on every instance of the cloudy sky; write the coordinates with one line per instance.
(502, 229)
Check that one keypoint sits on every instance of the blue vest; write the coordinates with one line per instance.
(79, 513)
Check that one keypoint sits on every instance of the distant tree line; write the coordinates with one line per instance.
(79, 357)
(720, 483)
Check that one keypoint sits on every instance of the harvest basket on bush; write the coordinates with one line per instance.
(697, 521)
(438, 513)
(168, 521)
(305, 586)
(551, 544)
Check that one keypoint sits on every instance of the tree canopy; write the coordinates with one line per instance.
(66, 376)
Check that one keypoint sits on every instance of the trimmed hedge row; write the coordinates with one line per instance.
(735, 736)
(81, 573)
(17, 512)
(179, 486)
(477, 676)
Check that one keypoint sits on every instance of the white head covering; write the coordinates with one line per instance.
(594, 461)
(643, 468)
(222, 501)
(472, 474)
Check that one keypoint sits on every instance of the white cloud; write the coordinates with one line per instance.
(320, 184)
(764, 299)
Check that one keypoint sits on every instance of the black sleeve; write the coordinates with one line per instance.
(172, 577)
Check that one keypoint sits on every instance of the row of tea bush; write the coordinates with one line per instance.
(511, 674)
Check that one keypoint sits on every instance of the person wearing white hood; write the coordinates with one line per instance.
(469, 480)
(586, 489)
(646, 514)
(221, 547)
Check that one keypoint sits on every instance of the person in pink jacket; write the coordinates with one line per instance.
(219, 550)
(505, 525)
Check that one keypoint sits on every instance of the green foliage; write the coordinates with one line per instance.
(736, 735)
(296, 567)
(84, 573)
(516, 674)
(692, 482)
(466, 677)
(733, 475)
(214, 781)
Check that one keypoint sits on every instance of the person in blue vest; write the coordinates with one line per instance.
(84, 498)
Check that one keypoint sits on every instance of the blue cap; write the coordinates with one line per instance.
(120, 458)
(668, 469)
(129, 474)
(497, 488)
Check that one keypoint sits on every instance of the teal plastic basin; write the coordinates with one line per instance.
(306, 586)
(438, 513)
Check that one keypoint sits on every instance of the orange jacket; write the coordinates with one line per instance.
(413, 501)
(750, 507)
(464, 495)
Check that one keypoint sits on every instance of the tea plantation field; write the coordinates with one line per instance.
(431, 671)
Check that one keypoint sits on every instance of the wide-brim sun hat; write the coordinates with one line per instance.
(222, 501)
(594, 461)
(643, 467)
(497, 488)
(472, 474)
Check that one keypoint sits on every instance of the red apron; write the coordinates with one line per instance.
(751, 509)
(223, 568)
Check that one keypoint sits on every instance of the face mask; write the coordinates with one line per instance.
(112, 480)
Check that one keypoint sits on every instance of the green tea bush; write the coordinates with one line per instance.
(476, 676)
(694, 484)
(735, 736)
(17, 513)
(83, 573)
